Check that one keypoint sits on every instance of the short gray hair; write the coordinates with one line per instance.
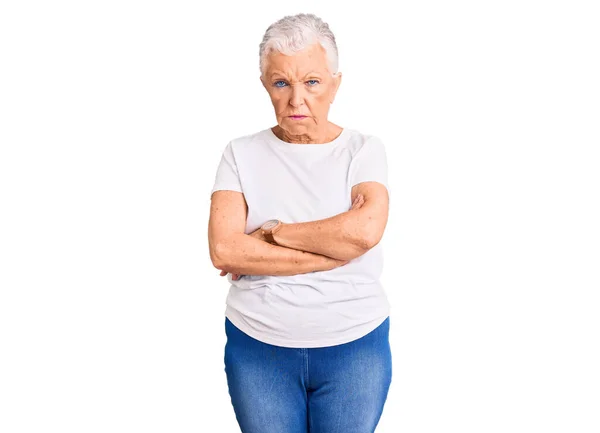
(294, 33)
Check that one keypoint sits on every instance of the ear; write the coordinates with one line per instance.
(337, 81)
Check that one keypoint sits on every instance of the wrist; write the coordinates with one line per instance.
(277, 235)
(270, 229)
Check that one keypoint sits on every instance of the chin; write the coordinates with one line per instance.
(297, 123)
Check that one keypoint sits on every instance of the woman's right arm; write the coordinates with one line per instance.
(233, 251)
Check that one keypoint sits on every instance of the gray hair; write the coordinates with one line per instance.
(294, 33)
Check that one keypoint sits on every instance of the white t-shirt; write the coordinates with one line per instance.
(299, 183)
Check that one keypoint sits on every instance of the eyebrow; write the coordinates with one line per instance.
(316, 74)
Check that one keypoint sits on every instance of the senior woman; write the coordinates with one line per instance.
(297, 214)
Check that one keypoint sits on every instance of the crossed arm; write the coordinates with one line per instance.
(303, 247)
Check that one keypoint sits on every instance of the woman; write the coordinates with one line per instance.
(296, 217)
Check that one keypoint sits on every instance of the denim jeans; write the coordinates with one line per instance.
(335, 389)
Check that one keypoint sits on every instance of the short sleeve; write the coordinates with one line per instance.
(227, 176)
(369, 163)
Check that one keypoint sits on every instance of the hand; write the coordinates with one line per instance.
(234, 277)
(331, 263)
(258, 234)
(358, 202)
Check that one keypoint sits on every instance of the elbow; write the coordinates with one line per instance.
(355, 249)
(361, 240)
(356, 252)
(227, 255)
(220, 257)
(372, 241)
(369, 238)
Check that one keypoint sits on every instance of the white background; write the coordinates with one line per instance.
(113, 117)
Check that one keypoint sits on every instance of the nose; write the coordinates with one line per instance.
(297, 96)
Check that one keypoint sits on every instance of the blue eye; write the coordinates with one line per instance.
(281, 81)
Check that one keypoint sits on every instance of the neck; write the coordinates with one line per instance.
(325, 135)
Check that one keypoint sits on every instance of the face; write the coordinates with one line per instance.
(301, 84)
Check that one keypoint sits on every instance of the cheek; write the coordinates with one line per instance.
(320, 100)
(321, 94)
(278, 100)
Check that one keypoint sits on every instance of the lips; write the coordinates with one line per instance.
(297, 117)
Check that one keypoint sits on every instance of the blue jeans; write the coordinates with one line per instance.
(335, 389)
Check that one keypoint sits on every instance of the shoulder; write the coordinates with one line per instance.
(362, 141)
(247, 141)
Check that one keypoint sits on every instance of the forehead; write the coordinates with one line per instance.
(311, 59)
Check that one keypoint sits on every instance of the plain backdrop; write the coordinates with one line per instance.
(113, 118)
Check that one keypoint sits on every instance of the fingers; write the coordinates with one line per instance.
(358, 202)
(233, 276)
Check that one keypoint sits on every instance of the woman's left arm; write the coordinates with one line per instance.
(345, 236)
